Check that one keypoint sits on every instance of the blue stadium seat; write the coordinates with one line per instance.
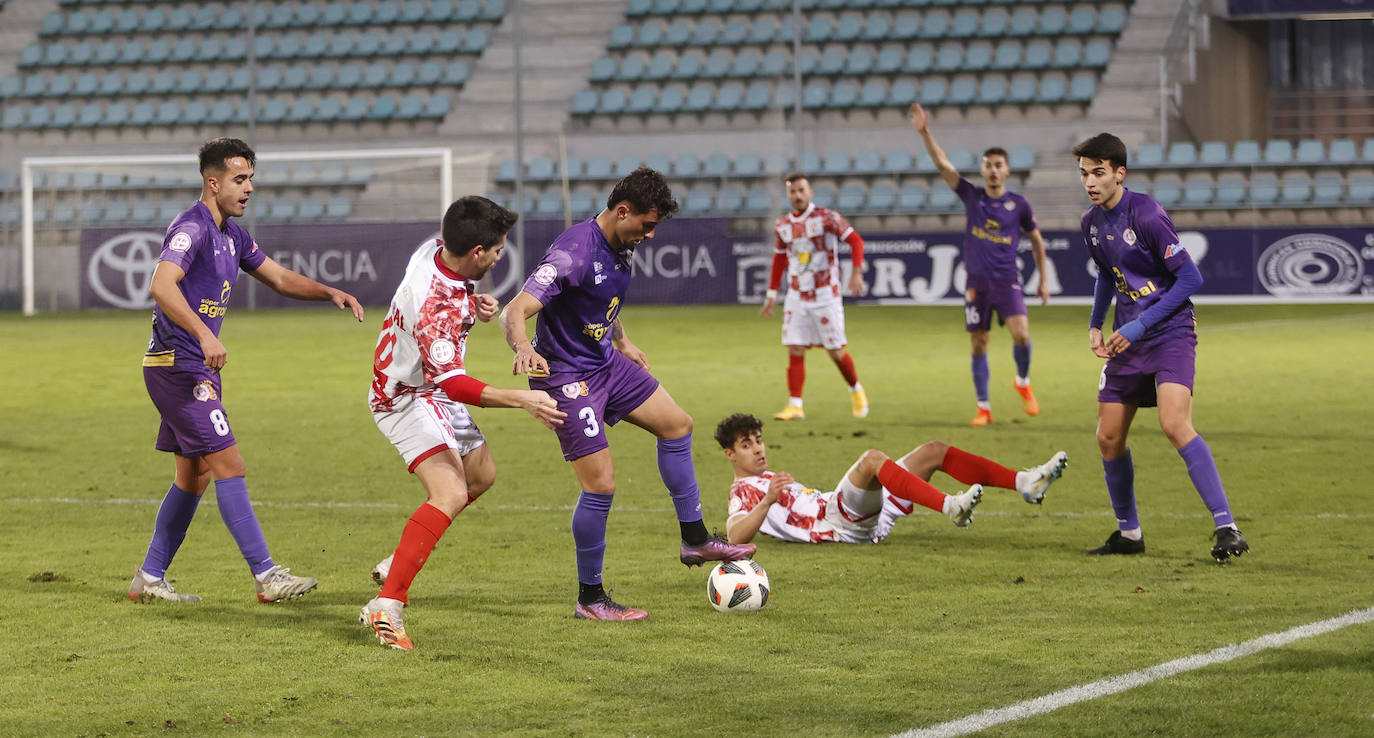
(995, 23)
(963, 90)
(670, 100)
(1328, 189)
(699, 98)
(348, 76)
(848, 29)
(905, 26)
(196, 112)
(758, 201)
(1295, 188)
(706, 33)
(943, 198)
(965, 24)
(687, 164)
(836, 162)
(1023, 88)
(106, 52)
(730, 199)
(899, 161)
(1067, 54)
(90, 115)
(1310, 151)
(355, 108)
(867, 162)
(757, 97)
(912, 197)
(845, 94)
(919, 59)
(935, 24)
(716, 165)
(1230, 190)
(598, 167)
(384, 107)
(963, 160)
(1264, 188)
(1246, 152)
(142, 114)
(1082, 20)
(933, 91)
(1053, 21)
(1213, 153)
(904, 92)
(1111, 19)
(622, 36)
(992, 90)
(1149, 155)
(659, 162)
(889, 61)
(860, 62)
(874, 94)
(59, 85)
(117, 114)
(950, 57)
(1097, 53)
(882, 198)
(1197, 190)
(1167, 190)
(1367, 152)
(582, 203)
(1023, 21)
(1343, 151)
(1360, 189)
(978, 56)
(642, 100)
(1278, 151)
(851, 198)
(729, 97)
(1182, 154)
(612, 102)
(745, 64)
(698, 201)
(1038, 54)
(659, 67)
(877, 27)
(1053, 88)
(748, 165)
(631, 68)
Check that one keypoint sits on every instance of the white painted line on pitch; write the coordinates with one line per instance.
(1122, 682)
(1247, 325)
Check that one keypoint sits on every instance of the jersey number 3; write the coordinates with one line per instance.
(593, 428)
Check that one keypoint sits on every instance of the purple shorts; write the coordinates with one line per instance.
(193, 419)
(982, 298)
(595, 400)
(1132, 377)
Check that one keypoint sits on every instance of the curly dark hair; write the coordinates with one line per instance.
(216, 152)
(474, 221)
(735, 427)
(643, 190)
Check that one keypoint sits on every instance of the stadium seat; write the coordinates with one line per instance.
(729, 97)
(698, 201)
(1097, 53)
(1182, 154)
(911, 197)
(1328, 189)
(1246, 153)
(935, 24)
(687, 164)
(1213, 153)
(1310, 151)
(836, 162)
(919, 59)
(1053, 88)
(1149, 155)
(1230, 190)
(659, 162)
(950, 57)
(1278, 151)
(1360, 189)
(1083, 87)
(642, 100)
(748, 165)
(730, 200)
(1197, 190)
(1111, 19)
(1342, 151)
(758, 201)
(1023, 88)
(851, 198)
(1023, 21)
(1367, 152)
(963, 90)
(867, 162)
(384, 108)
(1295, 188)
(1167, 190)
(1038, 54)
(882, 198)
(905, 26)
(1082, 20)
(1021, 158)
(877, 27)
(898, 161)
(1068, 54)
(715, 165)
(995, 23)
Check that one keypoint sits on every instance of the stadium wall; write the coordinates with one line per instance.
(697, 260)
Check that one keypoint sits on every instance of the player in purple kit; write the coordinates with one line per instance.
(201, 257)
(1152, 349)
(996, 220)
(582, 356)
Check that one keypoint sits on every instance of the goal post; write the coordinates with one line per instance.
(371, 185)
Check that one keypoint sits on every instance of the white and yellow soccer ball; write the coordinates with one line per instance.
(736, 586)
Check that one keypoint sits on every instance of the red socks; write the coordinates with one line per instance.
(796, 375)
(971, 469)
(424, 529)
(846, 365)
(902, 483)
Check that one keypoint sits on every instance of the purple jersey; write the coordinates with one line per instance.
(1136, 243)
(581, 283)
(993, 232)
(211, 259)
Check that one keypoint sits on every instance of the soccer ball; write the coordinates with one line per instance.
(737, 585)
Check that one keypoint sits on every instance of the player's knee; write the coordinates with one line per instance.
(1111, 443)
(932, 452)
(873, 460)
(481, 482)
(450, 500)
(1178, 430)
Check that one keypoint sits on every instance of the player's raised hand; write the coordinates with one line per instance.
(216, 355)
(775, 487)
(487, 307)
(344, 301)
(543, 407)
(920, 118)
(1096, 345)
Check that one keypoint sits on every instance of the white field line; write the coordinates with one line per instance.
(1122, 682)
(1247, 325)
(410, 505)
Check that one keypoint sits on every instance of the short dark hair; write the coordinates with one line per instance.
(735, 427)
(794, 176)
(1103, 147)
(216, 152)
(643, 190)
(474, 221)
(996, 151)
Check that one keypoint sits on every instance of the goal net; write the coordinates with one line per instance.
(85, 232)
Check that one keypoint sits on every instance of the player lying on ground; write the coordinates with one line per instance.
(421, 390)
(869, 498)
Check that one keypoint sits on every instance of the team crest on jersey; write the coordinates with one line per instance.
(814, 227)
(180, 242)
(1128, 236)
(545, 274)
(442, 351)
(204, 391)
(1009, 205)
(573, 390)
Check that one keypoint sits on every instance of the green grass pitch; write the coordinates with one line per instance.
(934, 624)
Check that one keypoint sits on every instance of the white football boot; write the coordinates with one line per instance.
(1035, 481)
(144, 588)
(382, 568)
(959, 508)
(278, 584)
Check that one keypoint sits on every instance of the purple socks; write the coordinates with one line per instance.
(1022, 356)
(1120, 474)
(589, 534)
(169, 530)
(980, 376)
(231, 495)
(680, 477)
(1202, 469)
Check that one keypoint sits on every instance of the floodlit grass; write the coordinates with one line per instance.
(934, 624)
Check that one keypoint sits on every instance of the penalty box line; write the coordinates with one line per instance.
(1122, 682)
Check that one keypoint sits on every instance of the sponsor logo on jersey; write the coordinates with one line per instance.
(232, 252)
(600, 278)
(1171, 249)
(442, 351)
(573, 390)
(1128, 236)
(545, 274)
(204, 391)
(596, 266)
(181, 242)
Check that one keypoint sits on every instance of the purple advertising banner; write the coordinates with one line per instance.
(699, 261)
(1298, 7)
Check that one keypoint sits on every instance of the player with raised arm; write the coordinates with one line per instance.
(582, 356)
(1152, 351)
(996, 218)
(871, 496)
(201, 257)
(806, 249)
(421, 389)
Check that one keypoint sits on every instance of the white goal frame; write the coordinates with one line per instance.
(443, 155)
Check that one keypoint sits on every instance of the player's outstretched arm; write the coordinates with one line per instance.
(537, 403)
(513, 317)
(167, 295)
(744, 526)
(920, 119)
(623, 344)
(295, 285)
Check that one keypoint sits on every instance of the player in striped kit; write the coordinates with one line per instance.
(806, 249)
(871, 496)
(420, 392)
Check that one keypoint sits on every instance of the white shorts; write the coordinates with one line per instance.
(812, 324)
(865, 516)
(427, 425)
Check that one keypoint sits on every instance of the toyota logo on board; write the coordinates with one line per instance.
(121, 269)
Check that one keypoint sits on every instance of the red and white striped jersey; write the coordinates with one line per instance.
(424, 337)
(799, 514)
(811, 243)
